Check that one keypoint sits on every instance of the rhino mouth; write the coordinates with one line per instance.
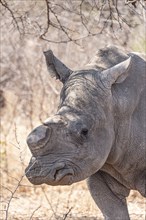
(59, 174)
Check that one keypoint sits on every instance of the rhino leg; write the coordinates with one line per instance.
(109, 195)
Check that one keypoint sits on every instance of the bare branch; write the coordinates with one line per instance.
(5, 5)
(12, 196)
(66, 215)
(82, 17)
(48, 19)
(110, 13)
(31, 217)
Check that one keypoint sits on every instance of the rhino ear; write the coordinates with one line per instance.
(55, 67)
(117, 73)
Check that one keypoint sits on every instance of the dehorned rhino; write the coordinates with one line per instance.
(98, 132)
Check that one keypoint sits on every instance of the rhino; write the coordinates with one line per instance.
(98, 132)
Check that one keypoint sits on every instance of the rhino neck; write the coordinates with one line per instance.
(122, 116)
(129, 112)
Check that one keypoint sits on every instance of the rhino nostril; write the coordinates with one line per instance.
(38, 137)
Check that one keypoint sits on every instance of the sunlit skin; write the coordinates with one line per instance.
(97, 132)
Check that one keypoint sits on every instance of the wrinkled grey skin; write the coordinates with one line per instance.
(98, 131)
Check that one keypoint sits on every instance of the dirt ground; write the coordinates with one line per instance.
(59, 203)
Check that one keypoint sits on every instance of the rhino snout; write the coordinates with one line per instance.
(55, 174)
(38, 138)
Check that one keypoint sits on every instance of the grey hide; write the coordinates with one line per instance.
(98, 132)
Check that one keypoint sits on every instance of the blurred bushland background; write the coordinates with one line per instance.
(74, 30)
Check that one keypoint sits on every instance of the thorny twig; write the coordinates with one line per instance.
(66, 215)
(35, 212)
(13, 192)
(19, 146)
(12, 196)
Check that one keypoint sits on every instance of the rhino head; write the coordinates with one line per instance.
(76, 142)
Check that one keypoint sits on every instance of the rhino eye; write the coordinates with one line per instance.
(84, 132)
